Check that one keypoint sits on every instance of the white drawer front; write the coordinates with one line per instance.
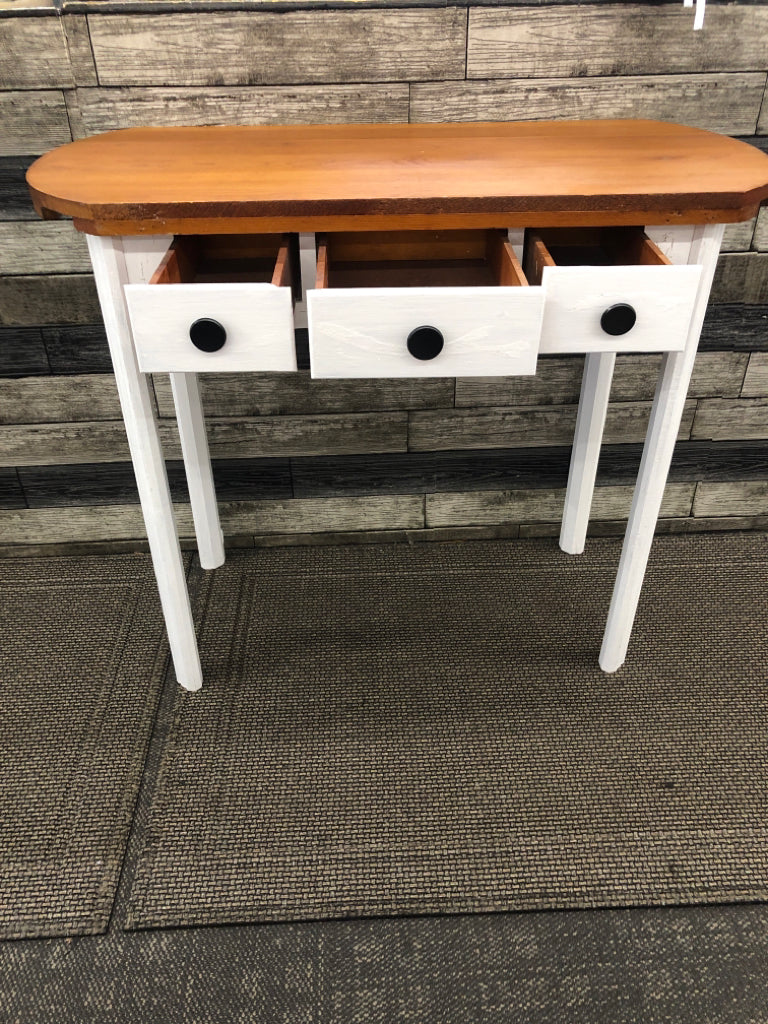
(257, 319)
(363, 332)
(576, 298)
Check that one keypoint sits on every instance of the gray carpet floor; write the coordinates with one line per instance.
(681, 964)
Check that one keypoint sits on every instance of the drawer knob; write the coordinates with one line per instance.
(425, 342)
(207, 335)
(618, 319)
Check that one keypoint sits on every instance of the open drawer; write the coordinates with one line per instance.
(609, 290)
(216, 302)
(421, 304)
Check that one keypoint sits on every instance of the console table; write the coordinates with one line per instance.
(412, 250)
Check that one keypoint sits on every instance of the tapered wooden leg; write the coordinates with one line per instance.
(197, 463)
(660, 440)
(590, 422)
(110, 271)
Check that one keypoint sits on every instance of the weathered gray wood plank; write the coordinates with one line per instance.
(56, 299)
(738, 237)
(760, 239)
(269, 394)
(762, 121)
(479, 508)
(42, 247)
(15, 202)
(736, 326)
(723, 103)
(617, 39)
(297, 515)
(33, 54)
(43, 444)
(525, 428)
(101, 110)
(756, 379)
(22, 352)
(254, 48)
(737, 498)
(79, 45)
(741, 277)
(59, 399)
(720, 419)
(33, 122)
(558, 381)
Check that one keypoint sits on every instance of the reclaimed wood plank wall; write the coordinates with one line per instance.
(298, 460)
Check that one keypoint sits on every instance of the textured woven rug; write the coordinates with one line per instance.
(82, 660)
(392, 730)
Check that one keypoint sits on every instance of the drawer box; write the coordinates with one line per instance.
(216, 303)
(421, 304)
(609, 290)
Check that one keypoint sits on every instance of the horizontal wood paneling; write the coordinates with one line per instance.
(729, 420)
(22, 352)
(101, 110)
(43, 444)
(756, 379)
(77, 348)
(33, 122)
(15, 203)
(114, 483)
(253, 48)
(79, 45)
(738, 237)
(264, 394)
(57, 299)
(116, 522)
(762, 121)
(42, 247)
(486, 507)
(760, 240)
(735, 326)
(11, 494)
(520, 427)
(738, 498)
(33, 54)
(741, 277)
(59, 399)
(558, 381)
(613, 39)
(722, 103)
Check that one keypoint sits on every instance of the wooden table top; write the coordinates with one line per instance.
(341, 177)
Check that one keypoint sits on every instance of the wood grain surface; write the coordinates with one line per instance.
(328, 176)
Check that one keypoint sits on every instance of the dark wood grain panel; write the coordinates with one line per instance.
(738, 237)
(741, 277)
(726, 103)
(735, 326)
(115, 484)
(33, 122)
(15, 203)
(101, 110)
(509, 427)
(77, 348)
(33, 54)
(252, 48)
(615, 39)
(56, 299)
(22, 352)
(11, 494)
(228, 394)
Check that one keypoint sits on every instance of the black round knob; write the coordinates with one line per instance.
(618, 319)
(425, 342)
(207, 335)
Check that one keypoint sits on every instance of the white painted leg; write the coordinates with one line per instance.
(590, 422)
(660, 440)
(109, 267)
(197, 463)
